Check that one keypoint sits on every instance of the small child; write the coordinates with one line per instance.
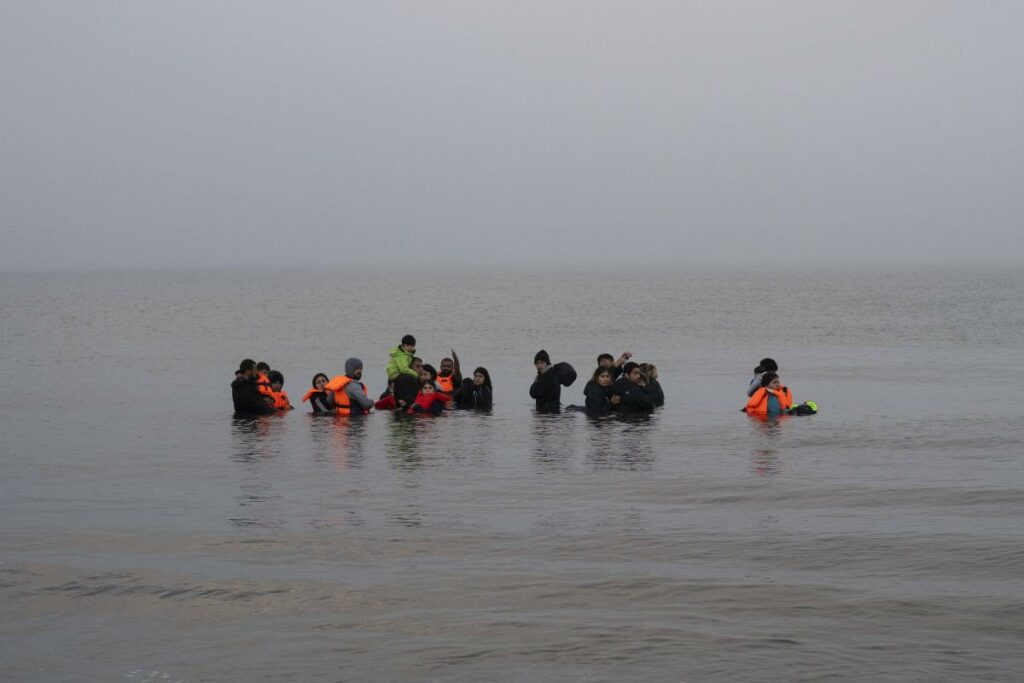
(428, 400)
(263, 378)
(766, 365)
(387, 399)
(280, 396)
(320, 398)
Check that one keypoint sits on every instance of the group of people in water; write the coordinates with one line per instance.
(413, 387)
(618, 385)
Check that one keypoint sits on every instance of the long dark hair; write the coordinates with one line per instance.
(319, 374)
(487, 376)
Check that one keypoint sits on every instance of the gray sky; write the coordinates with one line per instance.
(207, 134)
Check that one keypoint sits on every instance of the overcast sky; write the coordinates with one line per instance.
(207, 134)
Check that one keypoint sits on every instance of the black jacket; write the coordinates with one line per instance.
(634, 398)
(468, 395)
(598, 398)
(547, 391)
(655, 393)
(247, 398)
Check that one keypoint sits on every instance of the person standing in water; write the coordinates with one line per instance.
(449, 377)
(475, 393)
(546, 389)
(349, 392)
(401, 373)
(770, 399)
(629, 387)
(244, 394)
(600, 399)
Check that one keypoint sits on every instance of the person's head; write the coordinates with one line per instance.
(319, 381)
(481, 377)
(262, 368)
(417, 364)
(427, 386)
(354, 368)
(541, 360)
(430, 371)
(247, 367)
(447, 367)
(766, 365)
(770, 380)
(652, 371)
(409, 343)
(276, 380)
(603, 376)
(605, 360)
(631, 371)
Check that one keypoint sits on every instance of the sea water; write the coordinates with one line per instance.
(149, 535)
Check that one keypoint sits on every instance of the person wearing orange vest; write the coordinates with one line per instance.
(349, 392)
(277, 393)
(321, 399)
(449, 377)
(770, 399)
(263, 378)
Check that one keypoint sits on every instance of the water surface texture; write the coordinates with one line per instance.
(150, 536)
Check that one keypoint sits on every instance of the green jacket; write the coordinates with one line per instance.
(399, 363)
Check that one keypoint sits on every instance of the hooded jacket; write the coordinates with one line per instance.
(400, 363)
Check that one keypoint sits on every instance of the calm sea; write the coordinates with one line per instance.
(148, 536)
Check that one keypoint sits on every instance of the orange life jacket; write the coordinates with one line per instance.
(309, 394)
(280, 400)
(263, 384)
(341, 399)
(446, 385)
(758, 403)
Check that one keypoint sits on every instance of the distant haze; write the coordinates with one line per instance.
(210, 134)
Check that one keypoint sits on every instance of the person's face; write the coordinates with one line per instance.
(447, 367)
(605, 379)
(774, 384)
(417, 364)
(251, 373)
(428, 388)
(541, 366)
(634, 375)
(424, 374)
(320, 383)
(409, 348)
(276, 386)
(357, 373)
(478, 378)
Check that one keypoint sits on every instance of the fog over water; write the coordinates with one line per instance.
(191, 134)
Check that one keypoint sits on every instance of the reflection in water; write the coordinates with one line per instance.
(622, 442)
(553, 440)
(256, 446)
(339, 440)
(412, 439)
(766, 460)
(403, 444)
